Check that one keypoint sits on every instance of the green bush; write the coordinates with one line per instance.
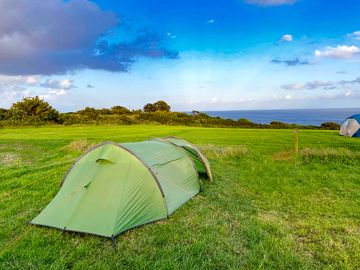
(3, 114)
(30, 111)
(157, 106)
(330, 126)
(89, 113)
(120, 110)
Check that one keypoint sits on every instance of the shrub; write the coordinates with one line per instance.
(244, 121)
(89, 113)
(330, 126)
(105, 111)
(149, 108)
(3, 114)
(119, 110)
(33, 108)
(157, 106)
(161, 106)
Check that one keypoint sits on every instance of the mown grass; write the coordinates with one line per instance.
(264, 210)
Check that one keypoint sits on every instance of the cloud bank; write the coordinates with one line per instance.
(16, 87)
(355, 35)
(338, 52)
(55, 36)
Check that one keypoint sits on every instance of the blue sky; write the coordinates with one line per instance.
(205, 55)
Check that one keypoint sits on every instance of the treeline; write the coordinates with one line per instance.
(33, 111)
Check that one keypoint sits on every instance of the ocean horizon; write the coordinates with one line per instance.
(290, 116)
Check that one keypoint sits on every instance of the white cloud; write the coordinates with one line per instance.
(270, 2)
(355, 35)
(55, 84)
(53, 93)
(18, 80)
(58, 92)
(339, 52)
(287, 38)
(13, 88)
(211, 21)
(56, 88)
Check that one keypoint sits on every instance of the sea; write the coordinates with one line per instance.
(293, 116)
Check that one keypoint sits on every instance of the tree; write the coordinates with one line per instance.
(34, 107)
(157, 106)
(149, 108)
(119, 110)
(90, 113)
(161, 106)
(3, 114)
(195, 113)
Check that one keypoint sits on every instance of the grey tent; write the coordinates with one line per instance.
(351, 126)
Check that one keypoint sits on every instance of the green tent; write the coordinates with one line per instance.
(201, 162)
(115, 187)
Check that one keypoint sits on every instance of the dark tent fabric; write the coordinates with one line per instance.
(115, 187)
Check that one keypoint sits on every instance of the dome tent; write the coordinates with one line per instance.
(351, 126)
(115, 187)
(201, 162)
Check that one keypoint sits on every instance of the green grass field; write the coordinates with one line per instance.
(265, 209)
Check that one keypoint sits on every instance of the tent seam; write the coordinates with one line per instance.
(149, 168)
(151, 172)
(182, 149)
(80, 157)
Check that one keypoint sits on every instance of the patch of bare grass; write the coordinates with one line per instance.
(283, 156)
(9, 159)
(271, 217)
(215, 151)
(77, 146)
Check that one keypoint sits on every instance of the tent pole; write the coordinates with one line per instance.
(113, 243)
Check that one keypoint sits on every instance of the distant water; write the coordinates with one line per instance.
(297, 116)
